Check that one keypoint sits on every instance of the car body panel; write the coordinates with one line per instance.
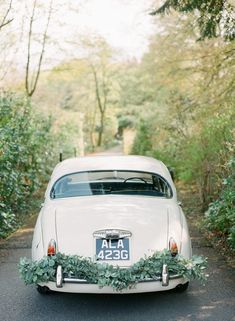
(72, 221)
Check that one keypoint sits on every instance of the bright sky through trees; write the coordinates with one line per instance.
(125, 24)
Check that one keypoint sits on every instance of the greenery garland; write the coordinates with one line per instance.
(103, 274)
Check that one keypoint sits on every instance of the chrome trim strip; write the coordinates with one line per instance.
(79, 281)
(157, 279)
(112, 234)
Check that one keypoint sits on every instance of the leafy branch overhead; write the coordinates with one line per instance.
(214, 18)
(108, 275)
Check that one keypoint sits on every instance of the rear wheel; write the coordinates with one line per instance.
(181, 287)
(43, 289)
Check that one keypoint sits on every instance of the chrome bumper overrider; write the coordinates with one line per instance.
(164, 278)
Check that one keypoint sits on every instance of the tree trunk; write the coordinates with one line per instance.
(101, 130)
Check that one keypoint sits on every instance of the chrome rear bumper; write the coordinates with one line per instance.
(163, 278)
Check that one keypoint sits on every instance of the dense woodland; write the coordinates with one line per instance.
(179, 100)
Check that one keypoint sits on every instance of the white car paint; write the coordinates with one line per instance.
(72, 221)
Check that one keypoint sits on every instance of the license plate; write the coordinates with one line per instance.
(107, 250)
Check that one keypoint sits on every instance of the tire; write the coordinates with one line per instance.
(43, 289)
(181, 287)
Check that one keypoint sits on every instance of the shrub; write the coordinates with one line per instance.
(143, 140)
(198, 158)
(220, 216)
(25, 157)
(204, 154)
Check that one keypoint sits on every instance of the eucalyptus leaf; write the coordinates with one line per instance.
(104, 274)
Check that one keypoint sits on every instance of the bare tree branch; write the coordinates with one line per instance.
(29, 49)
(30, 89)
(6, 23)
(4, 20)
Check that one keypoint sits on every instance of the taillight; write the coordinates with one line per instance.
(51, 250)
(173, 247)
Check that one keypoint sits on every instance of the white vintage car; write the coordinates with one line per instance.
(113, 209)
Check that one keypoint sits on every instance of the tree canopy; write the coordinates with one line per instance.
(214, 18)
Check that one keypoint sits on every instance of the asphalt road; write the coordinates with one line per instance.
(215, 301)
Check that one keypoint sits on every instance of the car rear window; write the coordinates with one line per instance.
(113, 182)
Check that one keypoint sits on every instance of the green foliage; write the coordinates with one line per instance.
(211, 17)
(125, 121)
(143, 140)
(7, 220)
(83, 93)
(109, 275)
(189, 116)
(24, 157)
(205, 152)
(66, 139)
(197, 156)
(220, 216)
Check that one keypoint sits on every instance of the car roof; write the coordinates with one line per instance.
(93, 163)
(96, 163)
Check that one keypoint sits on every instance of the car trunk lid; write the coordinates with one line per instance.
(144, 218)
